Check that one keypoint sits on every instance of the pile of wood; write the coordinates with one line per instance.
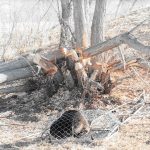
(72, 67)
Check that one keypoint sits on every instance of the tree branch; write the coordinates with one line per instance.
(125, 38)
(134, 43)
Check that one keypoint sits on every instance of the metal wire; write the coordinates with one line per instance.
(71, 124)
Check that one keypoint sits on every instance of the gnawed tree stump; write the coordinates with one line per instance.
(72, 68)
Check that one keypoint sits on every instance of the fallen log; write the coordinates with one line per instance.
(125, 38)
(29, 86)
(12, 66)
(51, 85)
(17, 74)
(21, 62)
(22, 73)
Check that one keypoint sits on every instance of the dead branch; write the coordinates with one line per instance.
(133, 29)
(131, 61)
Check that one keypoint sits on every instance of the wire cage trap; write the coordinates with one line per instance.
(71, 124)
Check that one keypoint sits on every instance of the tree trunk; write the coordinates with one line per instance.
(16, 64)
(16, 74)
(80, 23)
(65, 21)
(98, 22)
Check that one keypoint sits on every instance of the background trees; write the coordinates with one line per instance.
(83, 39)
(97, 33)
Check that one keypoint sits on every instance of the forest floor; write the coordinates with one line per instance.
(24, 117)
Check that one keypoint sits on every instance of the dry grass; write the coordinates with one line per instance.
(131, 136)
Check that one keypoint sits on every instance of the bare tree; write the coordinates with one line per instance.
(80, 23)
(98, 22)
(65, 21)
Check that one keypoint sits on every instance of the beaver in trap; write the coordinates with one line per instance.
(71, 123)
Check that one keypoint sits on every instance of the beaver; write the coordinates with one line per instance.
(71, 123)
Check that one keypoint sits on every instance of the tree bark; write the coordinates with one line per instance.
(80, 24)
(22, 62)
(125, 38)
(65, 21)
(98, 22)
(16, 74)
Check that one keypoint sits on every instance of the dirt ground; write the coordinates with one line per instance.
(25, 116)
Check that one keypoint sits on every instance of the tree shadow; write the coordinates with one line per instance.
(36, 100)
(25, 108)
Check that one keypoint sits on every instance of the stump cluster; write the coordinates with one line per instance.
(76, 69)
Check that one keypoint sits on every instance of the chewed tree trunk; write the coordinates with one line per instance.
(80, 23)
(97, 23)
(65, 21)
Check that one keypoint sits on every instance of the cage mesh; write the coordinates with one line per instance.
(71, 124)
